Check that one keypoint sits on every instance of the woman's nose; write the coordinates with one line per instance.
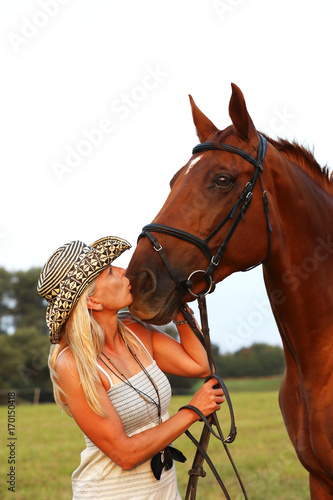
(122, 272)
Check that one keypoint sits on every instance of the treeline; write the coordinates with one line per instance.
(259, 360)
(24, 342)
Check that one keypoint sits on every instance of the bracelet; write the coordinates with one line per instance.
(182, 322)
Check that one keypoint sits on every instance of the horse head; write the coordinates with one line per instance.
(203, 193)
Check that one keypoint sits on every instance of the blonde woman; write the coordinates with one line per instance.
(109, 376)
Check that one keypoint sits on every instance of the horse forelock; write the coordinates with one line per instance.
(221, 135)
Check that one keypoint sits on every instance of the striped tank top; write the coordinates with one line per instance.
(98, 477)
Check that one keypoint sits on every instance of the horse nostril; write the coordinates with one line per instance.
(147, 282)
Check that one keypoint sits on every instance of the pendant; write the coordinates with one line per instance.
(164, 460)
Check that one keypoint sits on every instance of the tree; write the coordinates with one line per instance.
(255, 361)
(4, 299)
(28, 307)
(24, 357)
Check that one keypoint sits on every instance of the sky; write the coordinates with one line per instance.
(95, 117)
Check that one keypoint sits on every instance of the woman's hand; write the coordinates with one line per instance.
(179, 316)
(207, 399)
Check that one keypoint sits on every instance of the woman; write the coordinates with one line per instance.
(108, 375)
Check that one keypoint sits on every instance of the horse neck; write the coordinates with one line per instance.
(299, 272)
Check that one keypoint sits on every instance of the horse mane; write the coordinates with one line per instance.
(305, 159)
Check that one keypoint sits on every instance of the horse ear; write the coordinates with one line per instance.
(242, 122)
(203, 125)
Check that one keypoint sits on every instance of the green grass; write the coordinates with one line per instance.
(49, 446)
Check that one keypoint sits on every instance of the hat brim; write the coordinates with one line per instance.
(103, 252)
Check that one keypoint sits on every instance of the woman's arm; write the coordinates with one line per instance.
(108, 433)
(187, 358)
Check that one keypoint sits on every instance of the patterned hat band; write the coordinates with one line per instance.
(69, 272)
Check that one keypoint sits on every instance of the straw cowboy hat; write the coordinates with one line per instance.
(68, 273)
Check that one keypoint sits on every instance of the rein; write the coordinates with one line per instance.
(236, 213)
(201, 454)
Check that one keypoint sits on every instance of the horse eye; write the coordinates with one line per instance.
(223, 181)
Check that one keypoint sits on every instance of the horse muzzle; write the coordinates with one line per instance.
(154, 300)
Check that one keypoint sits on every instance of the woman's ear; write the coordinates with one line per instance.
(94, 305)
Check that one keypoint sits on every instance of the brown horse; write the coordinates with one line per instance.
(297, 261)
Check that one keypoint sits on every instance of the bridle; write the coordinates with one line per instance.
(241, 206)
(236, 213)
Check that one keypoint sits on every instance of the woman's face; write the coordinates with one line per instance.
(113, 289)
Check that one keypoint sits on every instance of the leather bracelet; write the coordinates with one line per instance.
(181, 322)
(195, 410)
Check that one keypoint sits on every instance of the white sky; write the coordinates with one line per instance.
(71, 66)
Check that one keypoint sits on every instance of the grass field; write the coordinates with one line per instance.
(48, 449)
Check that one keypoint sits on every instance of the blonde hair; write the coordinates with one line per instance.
(85, 338)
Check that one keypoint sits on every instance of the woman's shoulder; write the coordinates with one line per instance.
(66, 363)
(132, 322)
(141, 330)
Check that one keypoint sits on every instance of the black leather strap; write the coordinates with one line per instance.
(197, 470)
(202, 445)
(258, 163)
(177, 233)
